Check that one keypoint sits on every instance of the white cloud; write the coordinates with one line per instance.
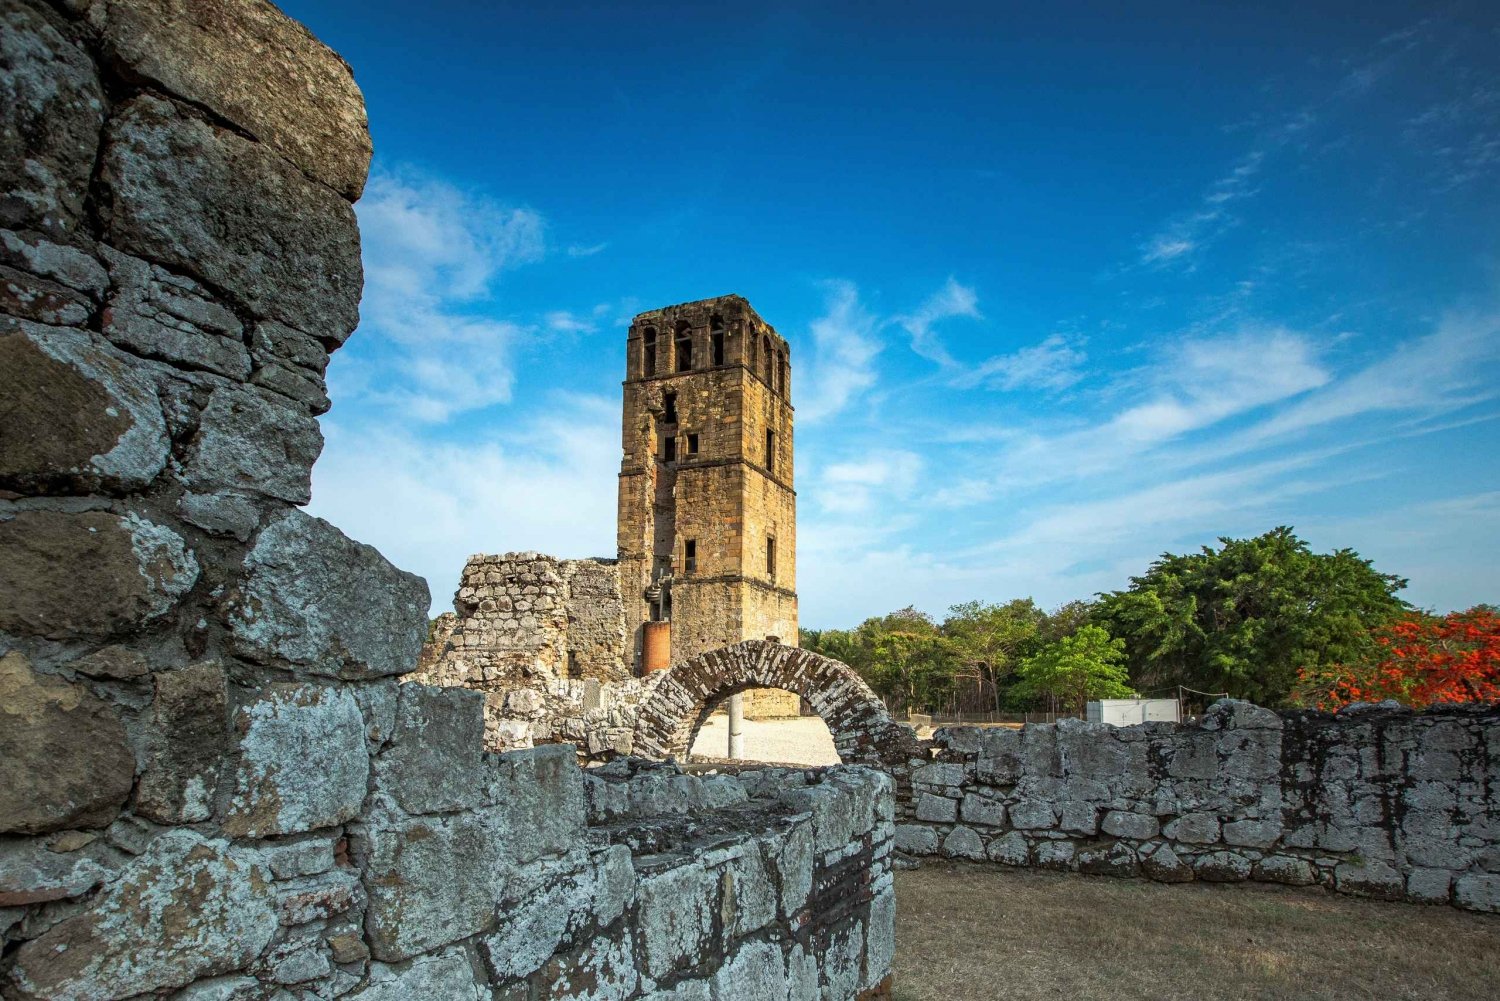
(432, 254)
(1051, 365)
(854, 486)
(428, 504)
(952, 300)
(842, 362)
(587, 251)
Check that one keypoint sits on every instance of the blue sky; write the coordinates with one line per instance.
(1067, 285)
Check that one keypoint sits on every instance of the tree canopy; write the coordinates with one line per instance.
(1074, 669)
(1247, 617)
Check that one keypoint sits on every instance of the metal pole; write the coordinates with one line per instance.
(736, 726)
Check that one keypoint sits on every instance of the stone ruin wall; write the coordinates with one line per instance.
(545, 640)
(1375, 801)
(212, 782)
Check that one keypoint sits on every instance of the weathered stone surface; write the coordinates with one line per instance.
(249, 444)
(1478, 891)
(916, 839)
(313, 597)
(116, 663)
(531, 930)
(1222, 867)
(188, 739)
(1117, 859)
(51, 110)
(444, 974)
(230, 212)
(214, 901)
(1009, 849)
(33, 871)
(156, 314)
(75, 416)
(130, 569)
(675, 915)
(433, 761)
(1165, 866)
(962, 842)
(1284, 869)
(226, 514)
(1369, 878)
(57, 262)
(32, 298)
(1123, 824)
(302, 765)
(937, 809)
(256, 67)
(64, 758)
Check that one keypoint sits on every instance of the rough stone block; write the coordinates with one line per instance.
(131, 570)
(1122, 824)
(1032, 815)
(936, 809)
(29, 297)
(1118, 859)
(230, 212)
(51, 111)
(64, 757)
(1194, 828)
(189, 736)
(156, 314)
(247, 444)
(34, 871)
(1058, 855)
(1478, 892)
(445, 974)
(1010, 849)
(674, 915)
(1369, 878)
(113, 663)
(962, 842)
(302, 762)
(1288, 869)
(1253, 833)
(214, 899)
(1165, 866)
(316, 599)
(1429, 886)
(433, 762)
(80, 416)
(982, 810)
(1222, 867)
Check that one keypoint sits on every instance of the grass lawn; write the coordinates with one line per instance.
(970, 932)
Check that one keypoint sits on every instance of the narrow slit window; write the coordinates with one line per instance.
(648, 353)
(770, 451)
(669, 408)
(692, 444)
(781, 374)
(669, 448)
(684, 348)
(690, 556)
(718, 347)
(771, 556)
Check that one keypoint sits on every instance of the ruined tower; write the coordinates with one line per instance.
(707, 526)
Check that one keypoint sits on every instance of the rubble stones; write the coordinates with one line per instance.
(64, 758)
(214, 899)
(157, 314)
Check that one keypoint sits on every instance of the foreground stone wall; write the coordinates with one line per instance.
(1376, 801)
(212, 783)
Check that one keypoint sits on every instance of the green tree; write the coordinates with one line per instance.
(1072, 670)
(994, 638)
(1246, 617)
(915, 667)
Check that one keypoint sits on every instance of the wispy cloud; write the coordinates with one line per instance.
(1054, 364)
(1183, 237)
(950, 301)
(432, 255)
(577, 250)
(841, 363)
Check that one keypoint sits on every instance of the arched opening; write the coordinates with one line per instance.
(776, 726)
(716, 339)
(684, 343)
(683, 698)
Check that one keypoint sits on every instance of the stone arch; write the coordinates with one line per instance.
(682, 697)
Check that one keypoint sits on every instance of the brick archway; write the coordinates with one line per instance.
(682, 698)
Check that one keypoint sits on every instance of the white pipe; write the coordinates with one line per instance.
(736, 726)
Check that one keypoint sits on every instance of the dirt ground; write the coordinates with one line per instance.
(971, 932)
(802, 741)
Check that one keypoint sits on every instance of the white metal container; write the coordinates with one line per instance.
(1128, 712)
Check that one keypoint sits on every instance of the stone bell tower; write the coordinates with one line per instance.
(708, 516)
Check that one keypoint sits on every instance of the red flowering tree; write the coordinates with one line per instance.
(1419, 660)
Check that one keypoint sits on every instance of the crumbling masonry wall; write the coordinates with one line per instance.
(1376, 801)
(212, 782)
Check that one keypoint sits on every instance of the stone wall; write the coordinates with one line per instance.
(1376, 801)
(212, 783)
